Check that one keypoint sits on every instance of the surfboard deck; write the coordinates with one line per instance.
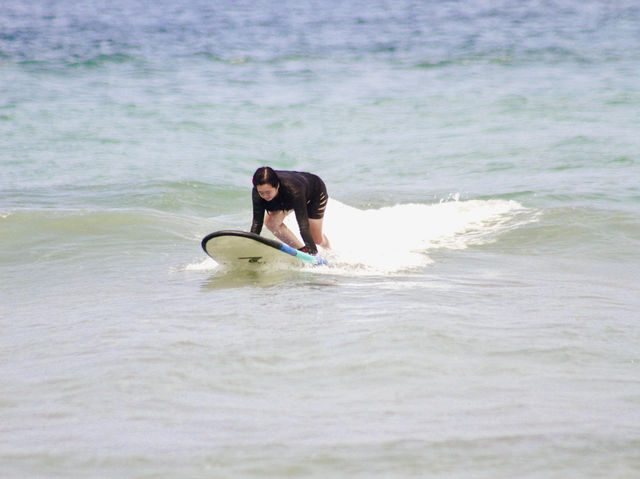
(241, 248)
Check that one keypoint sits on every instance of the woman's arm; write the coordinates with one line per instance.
(300, 208)
(258, 212)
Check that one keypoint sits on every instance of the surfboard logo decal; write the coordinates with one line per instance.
(252, 259)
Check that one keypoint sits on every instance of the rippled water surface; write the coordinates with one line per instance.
(479, 315)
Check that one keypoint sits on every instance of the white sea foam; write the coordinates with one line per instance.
(205, 264)
(400, 237)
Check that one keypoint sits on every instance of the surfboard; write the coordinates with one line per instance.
(241, 248)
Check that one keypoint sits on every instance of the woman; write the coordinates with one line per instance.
(280, 192)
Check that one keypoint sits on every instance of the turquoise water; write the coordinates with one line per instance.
(479, 317)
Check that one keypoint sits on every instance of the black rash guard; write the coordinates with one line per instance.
(304, 193)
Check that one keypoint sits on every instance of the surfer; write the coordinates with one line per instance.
(280, 192)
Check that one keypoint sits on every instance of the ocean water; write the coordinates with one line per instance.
(480, 313)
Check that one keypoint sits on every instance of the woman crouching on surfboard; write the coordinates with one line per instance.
(280, 192)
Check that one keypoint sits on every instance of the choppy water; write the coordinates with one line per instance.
(480, 314)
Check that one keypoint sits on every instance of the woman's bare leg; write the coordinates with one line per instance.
(274, 221)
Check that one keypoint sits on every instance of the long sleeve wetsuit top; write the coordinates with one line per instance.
(297, 190)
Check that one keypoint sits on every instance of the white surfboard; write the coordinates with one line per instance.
(241, 248)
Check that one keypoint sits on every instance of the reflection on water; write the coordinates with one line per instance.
(265, 277)
(258, 276)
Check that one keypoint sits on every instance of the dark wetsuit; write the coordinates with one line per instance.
(304, 193)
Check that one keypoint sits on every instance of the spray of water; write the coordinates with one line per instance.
(400, 238)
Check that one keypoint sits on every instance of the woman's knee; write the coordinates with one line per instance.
(269, 222)
(273, 221)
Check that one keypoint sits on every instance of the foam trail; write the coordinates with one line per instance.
(205, 264)
(399, 237)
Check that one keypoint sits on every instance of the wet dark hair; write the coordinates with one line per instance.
(264, 175)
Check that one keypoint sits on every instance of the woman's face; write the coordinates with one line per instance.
(267, 192)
